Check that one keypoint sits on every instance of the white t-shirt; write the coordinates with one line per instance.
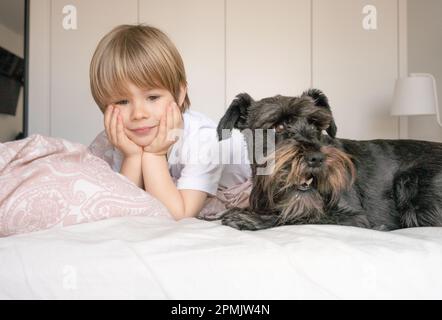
(198, 161)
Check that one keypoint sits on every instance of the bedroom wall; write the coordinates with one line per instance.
(11, 125)
(425, 55)
(262, 47)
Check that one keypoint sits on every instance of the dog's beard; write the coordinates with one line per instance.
(338, 174)
(297, 192)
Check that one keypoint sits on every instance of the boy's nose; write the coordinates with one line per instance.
(139, 111)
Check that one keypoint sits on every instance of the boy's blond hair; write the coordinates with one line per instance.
(139, 54)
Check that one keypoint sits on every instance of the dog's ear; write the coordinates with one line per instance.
(235, 116)
(321, 100)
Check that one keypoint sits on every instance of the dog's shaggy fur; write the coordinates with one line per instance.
(320, 179)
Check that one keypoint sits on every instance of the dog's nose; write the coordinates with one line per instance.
(315, 159)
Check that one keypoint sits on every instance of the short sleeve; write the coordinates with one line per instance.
(200, 177)
(201, 166)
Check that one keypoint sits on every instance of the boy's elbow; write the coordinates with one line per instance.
(182, 214)
(177, 217)
(178, 213)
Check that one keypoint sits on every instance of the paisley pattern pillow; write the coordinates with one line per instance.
(51, 182)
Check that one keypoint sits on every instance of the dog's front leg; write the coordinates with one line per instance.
(347, 217)
(245, 219)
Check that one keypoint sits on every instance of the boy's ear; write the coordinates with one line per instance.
(235, 116)
(183, 92)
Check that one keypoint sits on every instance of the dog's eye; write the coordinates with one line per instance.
(312, 123)
(279, 128)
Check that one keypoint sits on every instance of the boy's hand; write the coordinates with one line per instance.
(169, 132)
(113, 124)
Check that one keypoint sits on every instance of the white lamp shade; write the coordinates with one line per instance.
(415, 95)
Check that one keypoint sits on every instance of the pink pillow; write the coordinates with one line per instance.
(47, 182)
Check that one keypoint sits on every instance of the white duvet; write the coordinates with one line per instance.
(156, 258)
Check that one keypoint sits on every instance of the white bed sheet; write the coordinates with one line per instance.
(156, 258)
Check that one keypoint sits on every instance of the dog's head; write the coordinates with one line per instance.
(310, 171)
(308, 115)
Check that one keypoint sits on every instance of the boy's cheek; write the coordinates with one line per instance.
(124, 117)
(162, 111)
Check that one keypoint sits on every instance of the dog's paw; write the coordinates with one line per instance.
(240, 220)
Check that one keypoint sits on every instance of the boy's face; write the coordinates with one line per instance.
(142, 112)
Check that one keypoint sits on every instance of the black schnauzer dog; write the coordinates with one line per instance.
(320, 179)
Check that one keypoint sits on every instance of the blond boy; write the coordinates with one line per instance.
(138, 81)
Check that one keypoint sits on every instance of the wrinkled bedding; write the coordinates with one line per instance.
(157, 258)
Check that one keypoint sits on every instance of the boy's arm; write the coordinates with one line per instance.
(159, 183)
(132, 153)
(131, 168)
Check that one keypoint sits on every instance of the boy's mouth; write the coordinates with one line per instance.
(142, 130)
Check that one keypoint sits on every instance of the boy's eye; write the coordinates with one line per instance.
(153, 98)
(122, 102)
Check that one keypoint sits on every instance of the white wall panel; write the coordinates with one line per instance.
(74, 114)
(425, 56)
(357, 68)
(39, 66)
(197, 29)
(262, 47)
(268, 49)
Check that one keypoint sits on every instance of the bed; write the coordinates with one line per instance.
(72, 228)
(157, 258)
